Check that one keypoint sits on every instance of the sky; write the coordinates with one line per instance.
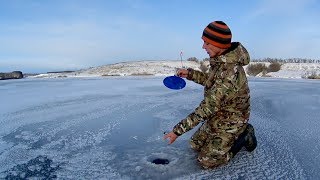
(40, 36)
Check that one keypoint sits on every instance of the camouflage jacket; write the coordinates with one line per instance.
(226, 91)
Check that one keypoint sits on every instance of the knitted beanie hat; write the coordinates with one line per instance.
(218, 34)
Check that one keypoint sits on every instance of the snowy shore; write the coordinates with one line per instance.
(167, 67)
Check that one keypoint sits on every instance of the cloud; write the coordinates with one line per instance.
(38, 64)
(283, 29)
(79, 43)
(275, 8)
(75, 41)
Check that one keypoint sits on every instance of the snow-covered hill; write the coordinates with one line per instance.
(296, 70)
(169, 67)
(157, 68)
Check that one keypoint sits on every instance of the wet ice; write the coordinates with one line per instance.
(113, 128)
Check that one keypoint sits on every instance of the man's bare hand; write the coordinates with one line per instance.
(172, 137)
(182, 73)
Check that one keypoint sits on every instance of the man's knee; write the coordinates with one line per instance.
(196, 145)
(213, 161)
(198, 139)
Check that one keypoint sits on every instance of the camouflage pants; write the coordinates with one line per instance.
(213, 142)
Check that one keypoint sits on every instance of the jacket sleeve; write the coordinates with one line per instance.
(223, 89)
(197, 76)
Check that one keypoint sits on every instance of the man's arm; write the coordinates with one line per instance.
(223, 90)
(197, 76)
(193, 75)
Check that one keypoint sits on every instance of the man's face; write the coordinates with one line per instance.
(211, 49)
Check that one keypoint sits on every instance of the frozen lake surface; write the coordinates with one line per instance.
(112, 128)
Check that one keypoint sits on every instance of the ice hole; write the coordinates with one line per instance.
(160, 161)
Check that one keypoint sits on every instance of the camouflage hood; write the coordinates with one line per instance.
(236, 54)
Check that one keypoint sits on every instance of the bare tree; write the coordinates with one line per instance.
(193, 59)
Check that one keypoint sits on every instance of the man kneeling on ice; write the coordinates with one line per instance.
(225, 109)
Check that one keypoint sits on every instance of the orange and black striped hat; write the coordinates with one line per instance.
(218, 34)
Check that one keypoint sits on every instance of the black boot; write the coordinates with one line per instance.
(238, 144)
(251, 140)
(246, 139)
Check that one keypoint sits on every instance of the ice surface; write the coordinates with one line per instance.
(112, 128)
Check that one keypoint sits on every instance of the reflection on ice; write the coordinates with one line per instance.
(40, 167)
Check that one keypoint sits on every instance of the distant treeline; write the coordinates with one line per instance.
(271, 60)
